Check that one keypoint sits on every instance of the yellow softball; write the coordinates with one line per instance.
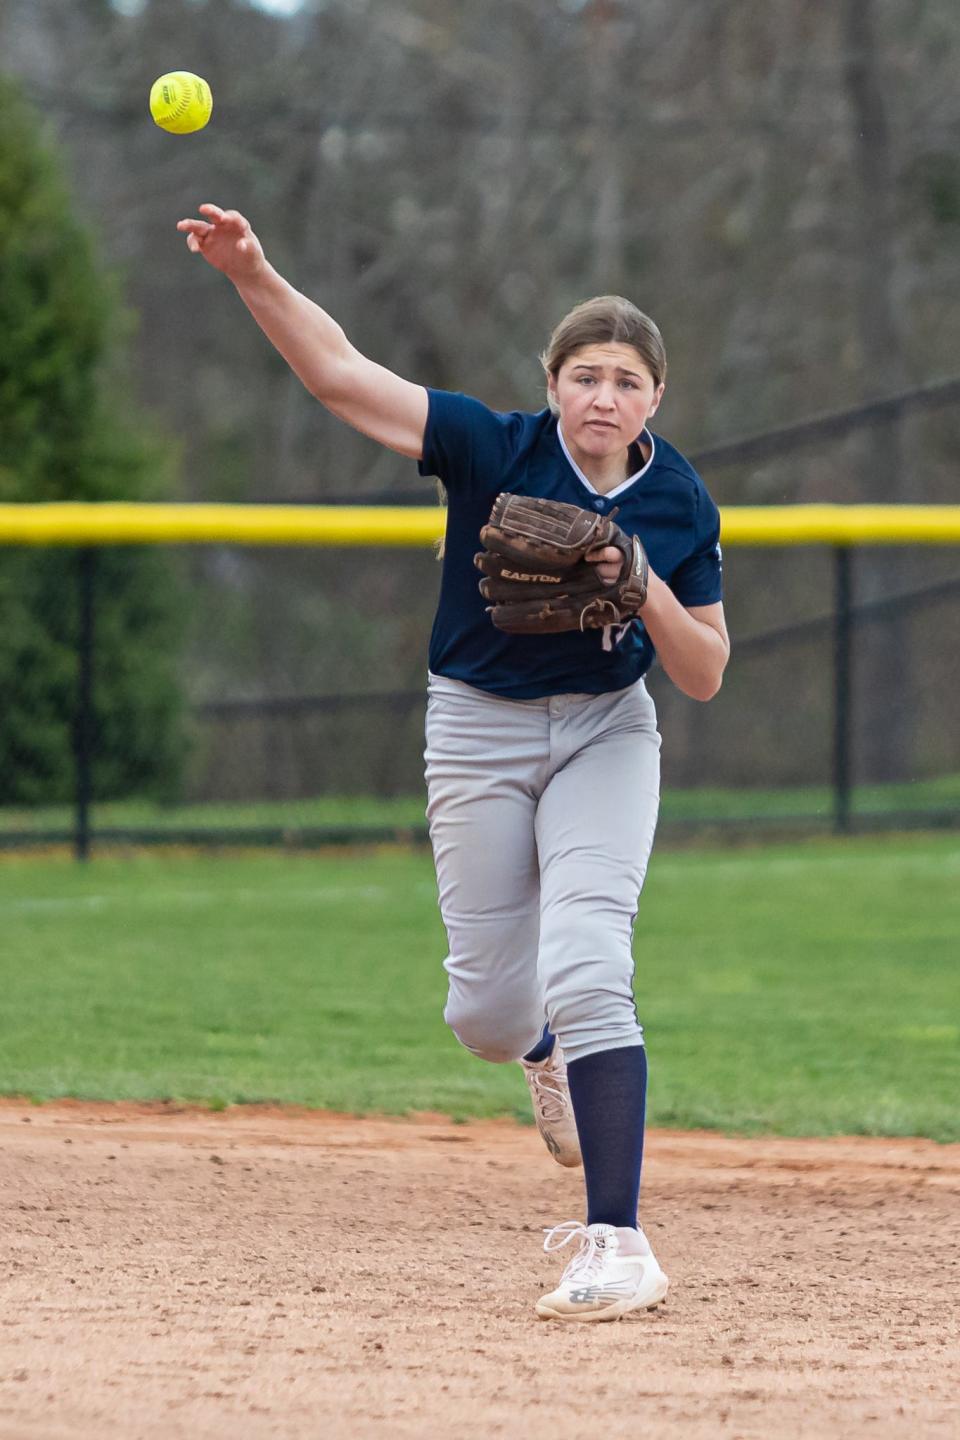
(181, 102)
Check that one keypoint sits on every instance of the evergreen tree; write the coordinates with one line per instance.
(68, 432)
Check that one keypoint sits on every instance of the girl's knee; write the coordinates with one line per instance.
(497, 1039)
(593, 1020)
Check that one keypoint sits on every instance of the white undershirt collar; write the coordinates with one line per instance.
(609, 494)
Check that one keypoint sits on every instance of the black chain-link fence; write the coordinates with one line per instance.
(225, 695)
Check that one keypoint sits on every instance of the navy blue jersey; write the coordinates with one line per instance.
(477, 452)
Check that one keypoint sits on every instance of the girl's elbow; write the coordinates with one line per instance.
(714, 681)
(706, 688)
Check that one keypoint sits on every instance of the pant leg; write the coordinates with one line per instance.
(485, 766)
(595, 828)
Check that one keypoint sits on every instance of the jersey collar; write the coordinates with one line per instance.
(609, 494)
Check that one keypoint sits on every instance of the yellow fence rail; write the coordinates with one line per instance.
(119, 523)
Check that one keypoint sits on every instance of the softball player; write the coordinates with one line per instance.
(542, 751)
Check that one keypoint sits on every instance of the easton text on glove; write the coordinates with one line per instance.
(536, 575)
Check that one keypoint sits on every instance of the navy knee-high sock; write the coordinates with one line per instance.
(609, 1095)
(543, 1048)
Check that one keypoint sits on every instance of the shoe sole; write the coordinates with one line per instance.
(572, 1163)
(570, 1159)
(612, 1312)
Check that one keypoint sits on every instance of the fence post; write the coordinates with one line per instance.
(83, 718)
(842, 687)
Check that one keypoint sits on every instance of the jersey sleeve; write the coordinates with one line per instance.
(698, 580)
(467, 445)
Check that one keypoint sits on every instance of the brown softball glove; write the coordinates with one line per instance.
(535, 574)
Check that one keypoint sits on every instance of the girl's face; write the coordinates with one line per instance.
(605, 395)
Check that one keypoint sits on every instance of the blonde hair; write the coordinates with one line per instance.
(604, 320)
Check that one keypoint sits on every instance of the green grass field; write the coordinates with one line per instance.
(705, 804)
(804, 989)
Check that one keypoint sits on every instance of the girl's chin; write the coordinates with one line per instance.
(599, 442)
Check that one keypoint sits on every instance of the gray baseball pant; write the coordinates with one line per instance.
(542, 816)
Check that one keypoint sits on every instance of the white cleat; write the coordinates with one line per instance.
(550, 1093)
(613, 1272)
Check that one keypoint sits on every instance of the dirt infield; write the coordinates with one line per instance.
(261, 1273)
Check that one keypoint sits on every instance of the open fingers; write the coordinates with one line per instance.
(217, 222)
(216, 219)
(227, 219)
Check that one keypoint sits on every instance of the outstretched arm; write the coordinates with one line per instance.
(366, 395)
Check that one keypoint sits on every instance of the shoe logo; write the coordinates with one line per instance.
(588, 1294)
(551, 1144)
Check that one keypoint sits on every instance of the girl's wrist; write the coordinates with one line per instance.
(657, 593)
(261, 282)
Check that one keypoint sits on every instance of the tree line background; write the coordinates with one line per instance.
(777, 184)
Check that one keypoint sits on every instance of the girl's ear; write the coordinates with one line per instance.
(552, 402)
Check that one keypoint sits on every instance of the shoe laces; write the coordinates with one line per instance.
(588, 1261)
(550, 1095)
